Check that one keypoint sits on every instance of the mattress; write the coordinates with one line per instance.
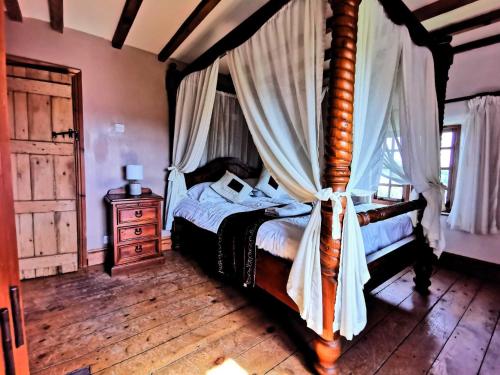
(281, 237)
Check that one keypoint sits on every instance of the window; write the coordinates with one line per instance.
(450, 144)
(388, 188)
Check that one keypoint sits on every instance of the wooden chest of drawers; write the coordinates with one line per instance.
(135, 222)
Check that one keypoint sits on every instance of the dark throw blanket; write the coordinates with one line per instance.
(236, 250)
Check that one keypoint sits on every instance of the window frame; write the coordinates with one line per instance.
(453, 166)
(406, 187)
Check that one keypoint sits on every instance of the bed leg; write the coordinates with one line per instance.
(423, 269)
(327, 353)
(176, 234)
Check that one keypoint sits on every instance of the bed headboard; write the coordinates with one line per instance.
(216, 168)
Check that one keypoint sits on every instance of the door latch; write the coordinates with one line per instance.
(71, 133)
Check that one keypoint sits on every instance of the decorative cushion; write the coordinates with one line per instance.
(268, 185)
(232, 188)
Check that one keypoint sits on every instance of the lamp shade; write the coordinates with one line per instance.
(134, 172)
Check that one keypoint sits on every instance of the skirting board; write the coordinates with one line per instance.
(98, 256)
(470, 266)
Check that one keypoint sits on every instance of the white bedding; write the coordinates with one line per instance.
(281, 237)
(209, 213)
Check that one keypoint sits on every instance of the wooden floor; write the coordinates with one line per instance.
(174, 319)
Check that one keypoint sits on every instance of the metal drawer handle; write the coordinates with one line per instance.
(138, 213)
(138, 231)
(7, 342)
(138, 249)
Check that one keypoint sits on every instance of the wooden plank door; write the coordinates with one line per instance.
(13, 348)
(44, 181)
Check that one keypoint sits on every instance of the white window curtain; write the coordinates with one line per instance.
(195, 101)
(278, 77)
(476, 207)
(229, 134)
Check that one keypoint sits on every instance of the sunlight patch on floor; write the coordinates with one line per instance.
(228, 367)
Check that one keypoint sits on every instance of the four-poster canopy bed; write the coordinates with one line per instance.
(272, 272)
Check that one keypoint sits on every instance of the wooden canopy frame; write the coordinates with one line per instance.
(338, 145)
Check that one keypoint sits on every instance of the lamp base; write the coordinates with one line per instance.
(134, 189)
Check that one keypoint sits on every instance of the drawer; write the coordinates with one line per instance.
(136, 215)
(137, 233)
(132, 252)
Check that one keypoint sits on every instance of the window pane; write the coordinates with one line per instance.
(388, 143)
(397, 192)
(397, 158)
(383, 180)
(445, 158)
(445, 174)
(446, 139)
(383, 191)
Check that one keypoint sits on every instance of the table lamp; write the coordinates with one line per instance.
(134, 174)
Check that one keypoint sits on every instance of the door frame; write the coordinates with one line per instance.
(77, 100)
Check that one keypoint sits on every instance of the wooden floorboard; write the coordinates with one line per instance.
(467, 344)
(491, 362)
(176, 319)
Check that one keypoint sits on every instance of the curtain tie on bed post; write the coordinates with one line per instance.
(174, 173)
(334, 196)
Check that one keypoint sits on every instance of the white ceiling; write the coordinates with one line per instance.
(468, 11)
(158, 20)
(155, 24)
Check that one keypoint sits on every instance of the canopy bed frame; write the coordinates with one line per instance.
(272, 272)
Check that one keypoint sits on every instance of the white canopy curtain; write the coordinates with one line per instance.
(278, 76)
(229, 134)
(377, 57)
(419, 131)
(195, 101)
(476, 207)
(414, 126)
(387, 64)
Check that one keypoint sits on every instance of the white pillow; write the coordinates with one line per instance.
(268, 185)
(211, 196)
(232, 188)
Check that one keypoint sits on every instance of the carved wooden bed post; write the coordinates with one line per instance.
(338, 156)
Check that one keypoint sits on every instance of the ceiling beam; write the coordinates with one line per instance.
(439, 7)
(469, 24)
(237, 36)
(56, 15)
(188, 26)
(477, 44)
(13, 11)
(127, 18)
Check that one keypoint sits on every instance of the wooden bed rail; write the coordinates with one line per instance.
(383, 213)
